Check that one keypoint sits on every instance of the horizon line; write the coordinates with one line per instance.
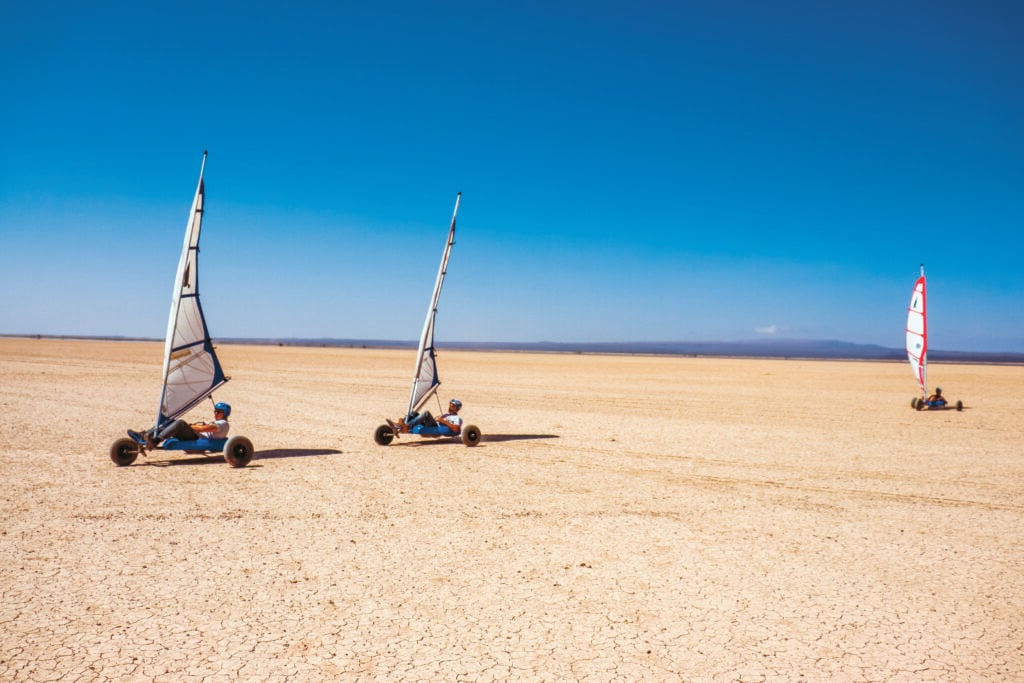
(749, 348)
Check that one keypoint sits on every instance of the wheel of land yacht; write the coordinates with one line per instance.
(123, 452)
(959, 406)
(238, 451)
(383, 435)
(471, 435)
(913, 402)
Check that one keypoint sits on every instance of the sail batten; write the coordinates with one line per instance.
(917, 333)
(191, 371)
(425, 378)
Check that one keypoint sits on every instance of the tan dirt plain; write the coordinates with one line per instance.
(625, 518)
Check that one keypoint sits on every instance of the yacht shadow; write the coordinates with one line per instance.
(517, 437)
(218, 459)
(419, 442)
(294, 453)
(211, 458)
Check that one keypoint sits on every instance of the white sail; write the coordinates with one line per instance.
(917, 334)
(191, 370)
(425, 379)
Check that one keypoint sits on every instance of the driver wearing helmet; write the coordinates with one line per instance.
(183, 431)
(451, 419)
(448, 424)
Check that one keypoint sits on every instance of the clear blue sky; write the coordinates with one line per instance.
(630, 170)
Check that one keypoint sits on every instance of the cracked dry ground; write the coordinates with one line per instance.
(625, 518)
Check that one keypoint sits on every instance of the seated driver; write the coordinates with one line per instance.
(183, 431)
(424, 423)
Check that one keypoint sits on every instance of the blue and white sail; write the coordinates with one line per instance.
(191, 370)
(917, 334)
(425, 379)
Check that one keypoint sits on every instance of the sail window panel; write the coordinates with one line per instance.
(425, 382)
(915, 343)
(187, 380)
(189, 280)
(190, 327)
(915, 324)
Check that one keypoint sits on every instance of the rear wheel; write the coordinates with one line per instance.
(123, 452)
(238, 451)
(471, 435)
(959, 405)
(383, 435)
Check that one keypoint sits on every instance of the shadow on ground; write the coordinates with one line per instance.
(294, 453)
(212, 459)
(217, 458)
(517, 437)
(487, 438)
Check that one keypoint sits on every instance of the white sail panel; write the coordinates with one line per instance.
(917, 334)
(191, 370)
(426, 382)
(425, 378)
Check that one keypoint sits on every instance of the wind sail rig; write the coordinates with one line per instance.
(917, 334)
(425, 379)
(191, 371)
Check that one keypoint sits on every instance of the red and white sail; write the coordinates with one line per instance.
(917, 334)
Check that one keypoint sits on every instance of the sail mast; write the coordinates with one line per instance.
(425, 380)
(917, 332)
(190, 370)
(924, 334)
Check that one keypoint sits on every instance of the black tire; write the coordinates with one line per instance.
(471, 435)
(920, 404)
(238, 451)
(959, 406)
(913, 402)
(123, 452)
(384, 435)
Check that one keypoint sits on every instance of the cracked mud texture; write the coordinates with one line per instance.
(624, 518)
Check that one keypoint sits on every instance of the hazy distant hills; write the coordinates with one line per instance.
(755, 348)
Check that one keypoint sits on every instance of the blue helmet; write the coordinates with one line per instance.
(456, 403)
(224, 407)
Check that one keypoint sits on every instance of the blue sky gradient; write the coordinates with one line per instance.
(647, 171)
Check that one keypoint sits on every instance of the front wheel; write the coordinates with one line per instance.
(471, 435)
(913, 402)
(383, 435)
(238, 451)
(959, 406)
(123, 452)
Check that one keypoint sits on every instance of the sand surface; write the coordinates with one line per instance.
(625, 518)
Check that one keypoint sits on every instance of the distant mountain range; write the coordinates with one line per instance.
(756, 348)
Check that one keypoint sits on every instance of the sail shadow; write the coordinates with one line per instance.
(294, 453)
